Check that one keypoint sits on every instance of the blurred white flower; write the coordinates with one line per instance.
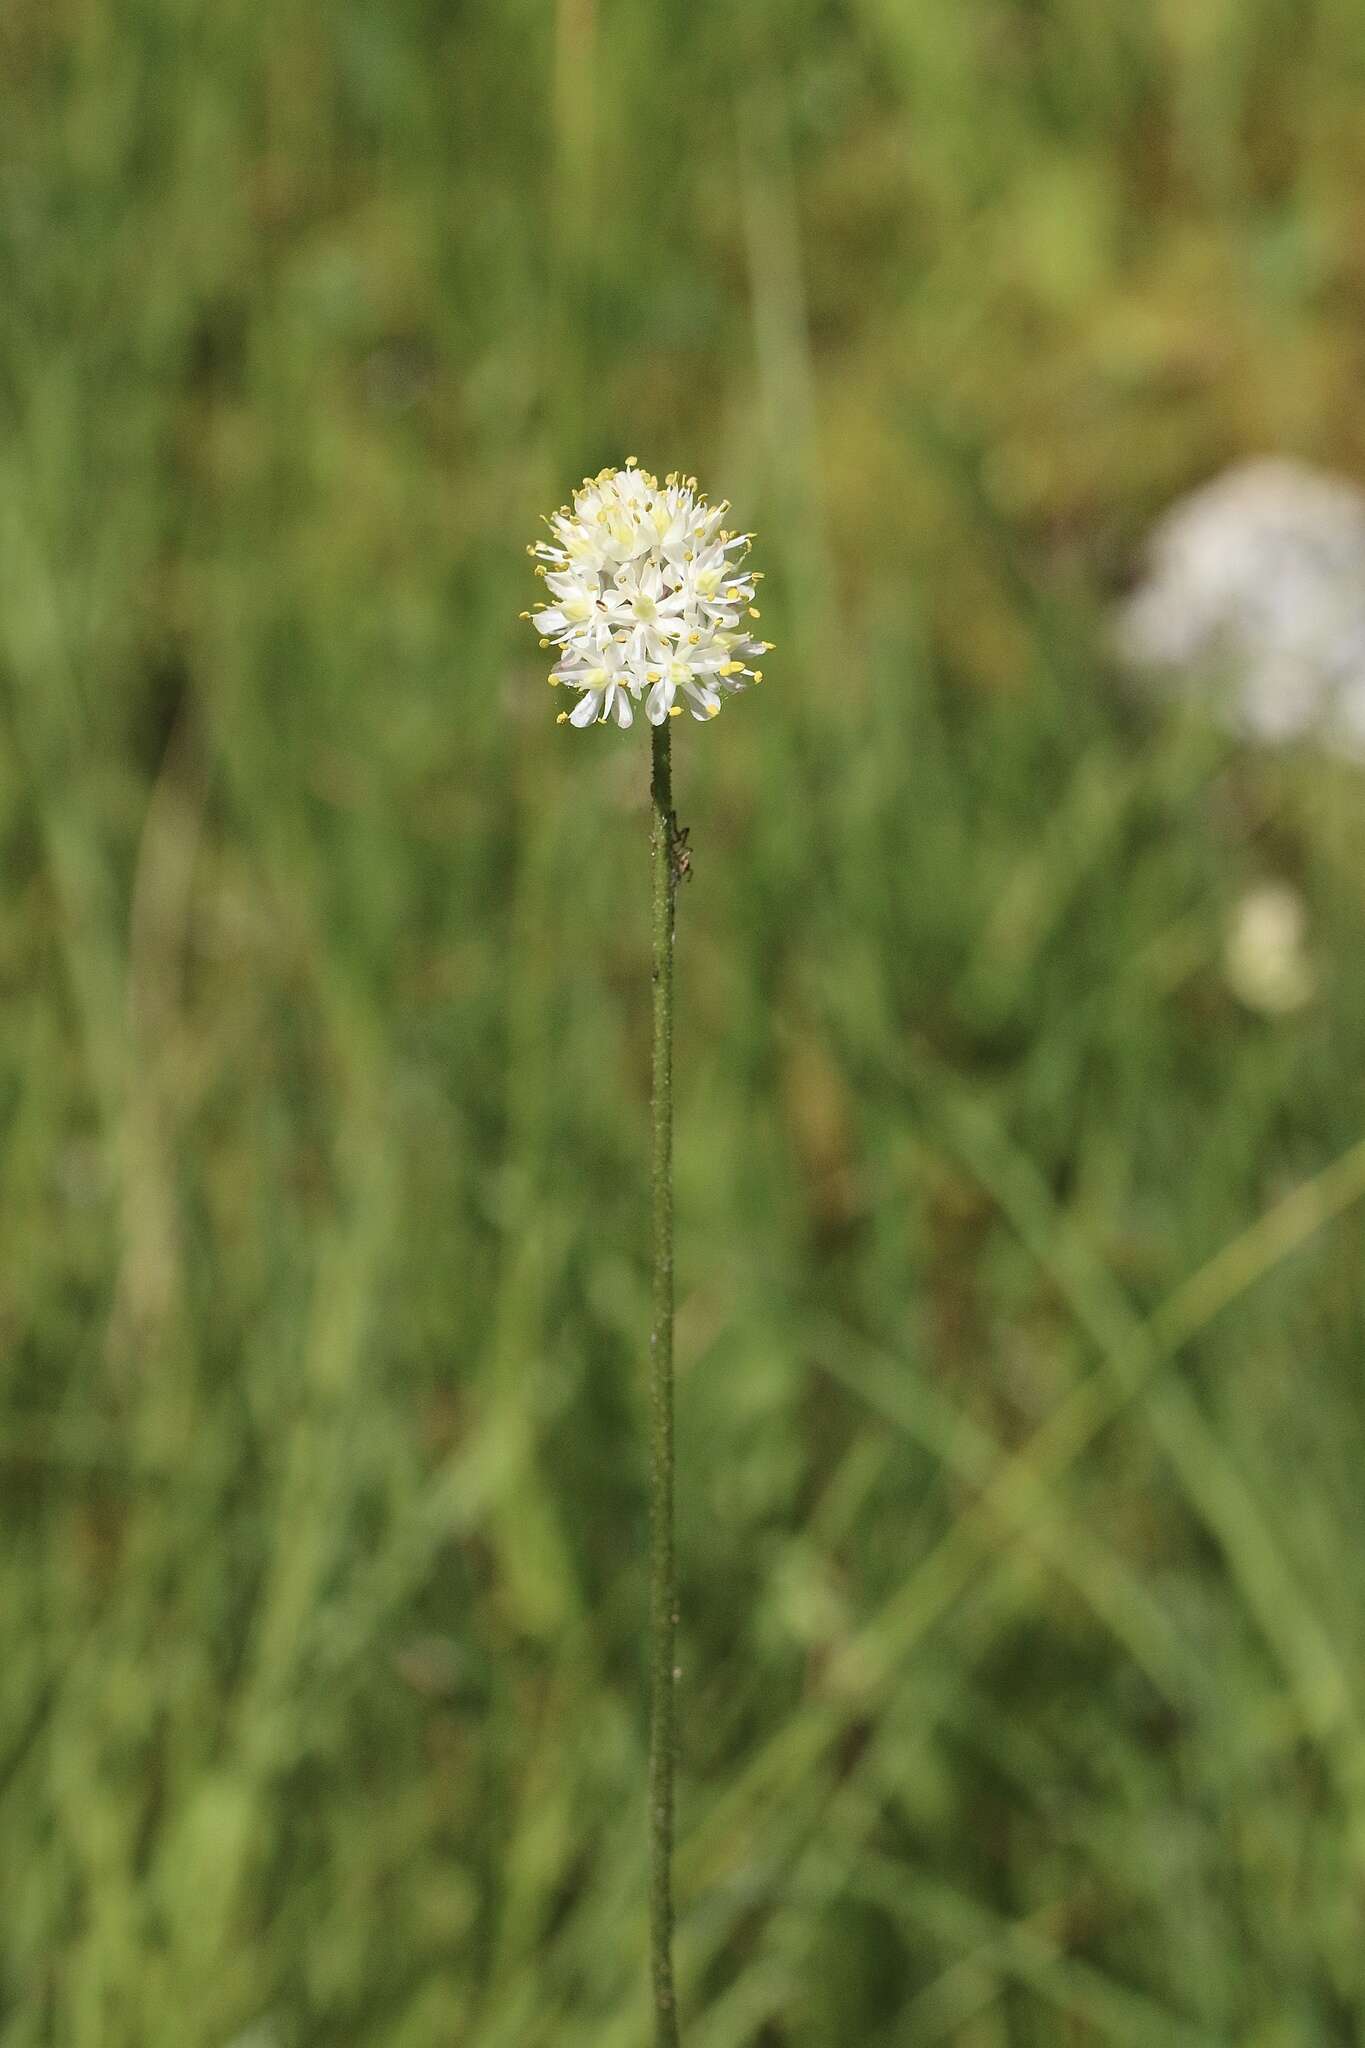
(651, 599)
(1265, 961)
(261, 2034)
(1255, 596)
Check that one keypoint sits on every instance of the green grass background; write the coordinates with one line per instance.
(1022, 1435)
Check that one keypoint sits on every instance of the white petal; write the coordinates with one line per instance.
(658, 702)
(623, 710)
(587, 708)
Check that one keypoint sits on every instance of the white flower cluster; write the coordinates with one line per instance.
(651, 599)
(1255, 600)
(1265, 955)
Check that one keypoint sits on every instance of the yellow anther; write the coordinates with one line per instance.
(545, 643)
(553, 681)
(630, 462)
(563, 718)
(758, 675)
(754, 612)
(675, 710)
(694, 639)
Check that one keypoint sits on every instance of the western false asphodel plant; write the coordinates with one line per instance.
(649, 603)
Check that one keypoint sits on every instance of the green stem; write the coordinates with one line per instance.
(663, 1597)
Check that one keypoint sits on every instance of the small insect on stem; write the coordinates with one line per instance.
(679, 852)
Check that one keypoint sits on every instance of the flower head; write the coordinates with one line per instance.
(1254, 601)
(650, 599)
(1265, 956)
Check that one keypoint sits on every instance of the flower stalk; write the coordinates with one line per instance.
(663, 1595)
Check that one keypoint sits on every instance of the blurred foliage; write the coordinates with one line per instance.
(1021, 1314)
